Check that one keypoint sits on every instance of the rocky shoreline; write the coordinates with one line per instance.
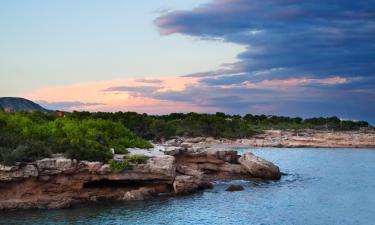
(296, 139)
(180, 169)
(176, 167)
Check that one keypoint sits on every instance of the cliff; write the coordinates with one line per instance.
(60, 182)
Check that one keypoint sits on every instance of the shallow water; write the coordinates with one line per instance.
(323, 186)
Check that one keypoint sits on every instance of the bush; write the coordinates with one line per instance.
(27, 152)
(138, 159)
(123, 151)
(27, 136)
(118, 166)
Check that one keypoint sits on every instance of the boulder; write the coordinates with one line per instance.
(259, 168)
(235, 187)
(138, 195)
(184, 184)
(205, 185)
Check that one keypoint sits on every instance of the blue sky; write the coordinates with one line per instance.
(46, 43)
(298, 58)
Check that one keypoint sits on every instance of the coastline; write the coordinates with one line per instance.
(179, 166)
(61, 183)
(292, 139)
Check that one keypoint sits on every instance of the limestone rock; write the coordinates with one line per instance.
(138, 195)
(156, 168)
(16, 173)
(184, 184)
(51, 166)
(259, 167)
(92, 167)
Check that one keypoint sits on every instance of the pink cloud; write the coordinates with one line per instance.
(120, 100)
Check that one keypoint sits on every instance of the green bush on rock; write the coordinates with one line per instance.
(118, 166)
(138, 159)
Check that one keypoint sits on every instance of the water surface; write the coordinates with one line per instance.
(323, 186)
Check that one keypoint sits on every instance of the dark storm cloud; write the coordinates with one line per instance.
(318, 38)
(287, 41)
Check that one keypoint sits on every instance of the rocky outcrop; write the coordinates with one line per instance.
(59, 182)
(259, 167)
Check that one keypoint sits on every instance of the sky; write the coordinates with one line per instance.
(281, 57)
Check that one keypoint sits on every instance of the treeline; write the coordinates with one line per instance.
(28, 136)
(217, 125)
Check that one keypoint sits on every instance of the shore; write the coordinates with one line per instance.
(174, 167)
(294, 139)
(178, 170)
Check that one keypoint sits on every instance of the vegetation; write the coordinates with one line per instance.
(118, 166)
(28, 136)
(217, 125)
(138, 159)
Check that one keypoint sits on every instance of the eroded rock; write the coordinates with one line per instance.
(259, 168)
(59, 182)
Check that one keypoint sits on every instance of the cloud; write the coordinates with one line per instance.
(309, 56)
(293, 96)
(302, 58)
(149, 81)
(134, 90)
(321, 38)
(66, 106)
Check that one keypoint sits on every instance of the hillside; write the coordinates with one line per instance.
(19, 104)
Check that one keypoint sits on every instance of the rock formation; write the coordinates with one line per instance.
(60, 182)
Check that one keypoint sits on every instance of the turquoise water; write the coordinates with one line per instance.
(323, 186)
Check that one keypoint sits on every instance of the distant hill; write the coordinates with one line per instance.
(19, 104)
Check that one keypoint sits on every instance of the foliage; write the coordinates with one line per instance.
(219, 125)
(138, 159)
(28, 136)
(118, 166)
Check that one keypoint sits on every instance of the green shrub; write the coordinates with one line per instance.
(27, 136)
(138, 159)
(88, 154)
(118, 166)
(123, 151)
(27, 152)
